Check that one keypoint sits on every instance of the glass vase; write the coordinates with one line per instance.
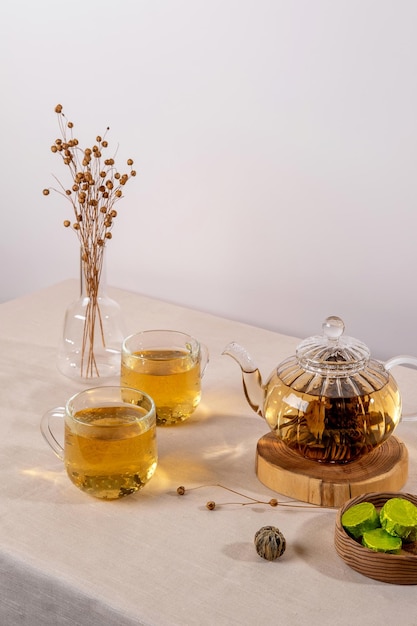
(93, 327)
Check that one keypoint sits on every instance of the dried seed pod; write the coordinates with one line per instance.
(270, 543)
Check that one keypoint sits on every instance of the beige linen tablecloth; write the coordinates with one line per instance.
(157, 558)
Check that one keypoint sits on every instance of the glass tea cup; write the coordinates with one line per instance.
(169, 366)
(110, 448)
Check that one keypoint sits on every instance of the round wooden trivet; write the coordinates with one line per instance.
(284, 471)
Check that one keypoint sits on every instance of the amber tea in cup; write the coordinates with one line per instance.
(167, 365)
(110, 446)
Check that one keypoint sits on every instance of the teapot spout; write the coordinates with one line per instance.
(252, 379)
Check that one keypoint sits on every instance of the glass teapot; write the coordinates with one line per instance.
(330, 402)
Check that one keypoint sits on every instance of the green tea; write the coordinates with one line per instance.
(170, 377)
(108, 453)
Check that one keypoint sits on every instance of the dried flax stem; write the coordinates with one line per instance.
(96, 185)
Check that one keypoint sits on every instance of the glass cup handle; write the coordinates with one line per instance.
(403, 359)
(47, 433)
(204, 358)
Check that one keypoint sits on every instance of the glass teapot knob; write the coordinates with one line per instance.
(333, 328)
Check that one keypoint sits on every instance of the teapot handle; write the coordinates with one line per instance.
(403, 359)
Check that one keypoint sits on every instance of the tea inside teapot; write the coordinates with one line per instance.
(330, 402)
(337, 427)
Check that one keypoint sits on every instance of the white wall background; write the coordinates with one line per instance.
(275, 142)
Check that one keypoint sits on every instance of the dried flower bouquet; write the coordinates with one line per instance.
(96, 185)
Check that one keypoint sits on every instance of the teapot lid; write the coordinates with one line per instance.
(332, 353)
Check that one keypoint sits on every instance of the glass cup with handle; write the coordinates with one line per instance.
(110, 448)
(168, 365)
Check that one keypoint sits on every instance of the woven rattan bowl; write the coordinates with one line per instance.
(399, 569)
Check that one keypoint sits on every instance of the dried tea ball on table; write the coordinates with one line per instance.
(270, 543)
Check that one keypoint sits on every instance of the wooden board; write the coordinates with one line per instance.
(287, 473)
